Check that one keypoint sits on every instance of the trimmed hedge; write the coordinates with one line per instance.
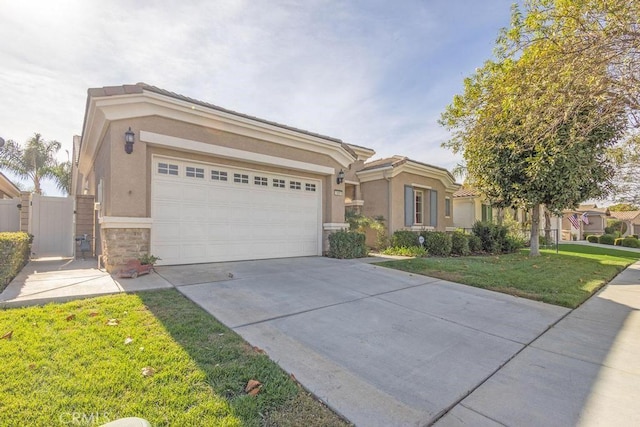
(437, 243)
(404, 238)
(460, 244)
(630, 242)
(347, 244)
(592, 238)
(475, 243)
(607, 239)
(14, 254)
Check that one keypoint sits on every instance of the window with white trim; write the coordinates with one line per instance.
(279, 183)
(194, 172)
(418, 206)
(309, 187)
(260, 180)
(218, 175)
(295, 185)
(240, 178)
(168, 169)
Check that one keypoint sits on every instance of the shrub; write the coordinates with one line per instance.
(618, 241)
(491, 235)
(404, 238)
(475, 244)
(347, 244)
(607, 239)
(437, 243)
(460, 244)
(592, 238)
(414, 251)
(14, 253)
(630, 242)
(635, 236)
(512, 244)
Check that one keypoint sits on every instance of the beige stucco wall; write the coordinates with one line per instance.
(127, 190)
(386, 198)
(466, 211)
(397, 200)
(127, 177)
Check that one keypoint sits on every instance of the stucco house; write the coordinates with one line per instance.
(192, 182)
(470, 206)
(631, 219)
(589, 218)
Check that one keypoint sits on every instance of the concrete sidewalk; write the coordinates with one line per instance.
(584, 371)
(64, 279)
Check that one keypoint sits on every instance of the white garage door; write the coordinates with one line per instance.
(210, 213)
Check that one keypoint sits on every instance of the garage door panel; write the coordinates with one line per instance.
(204, 220)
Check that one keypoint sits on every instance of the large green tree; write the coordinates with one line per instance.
(535, 124)
(34, 162)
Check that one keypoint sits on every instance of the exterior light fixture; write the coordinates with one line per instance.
(129, 139)
(340, 178)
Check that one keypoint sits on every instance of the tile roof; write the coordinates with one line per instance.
(466, 192)
(396, 161)
(625, 216)
(141, 87)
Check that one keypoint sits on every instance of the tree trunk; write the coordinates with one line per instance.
(547, 227)
(535, 231)
(500, 216)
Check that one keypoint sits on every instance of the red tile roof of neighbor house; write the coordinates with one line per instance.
(626, 215)
(141, 87)
(466, 192)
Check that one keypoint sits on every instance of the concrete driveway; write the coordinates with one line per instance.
(381, 347)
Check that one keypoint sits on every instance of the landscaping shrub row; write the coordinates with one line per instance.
(611, 239)
(485, 238)
(14, 254)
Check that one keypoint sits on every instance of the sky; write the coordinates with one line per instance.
(372, 73)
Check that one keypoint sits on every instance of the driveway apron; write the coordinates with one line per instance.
(379, 346)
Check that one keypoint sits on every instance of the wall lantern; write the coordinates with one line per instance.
(129, 139)
(340, 178)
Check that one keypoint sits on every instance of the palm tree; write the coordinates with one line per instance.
(34, 162)
(61, 174)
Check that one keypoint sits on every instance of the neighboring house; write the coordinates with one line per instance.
(589, 218)
(631, 219)
(8, 189)
(199, 183)
(469, 206)
(409, 194)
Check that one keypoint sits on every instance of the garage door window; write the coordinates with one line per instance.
(260, 180)
(310, 187)
(195, 172)
(240, 178)
(218, 175)
(294, 185)
(279, 183)
(167, 169)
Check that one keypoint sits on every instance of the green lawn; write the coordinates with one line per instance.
(64, 364)
(567, 278)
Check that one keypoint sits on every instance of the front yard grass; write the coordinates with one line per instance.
(567, 278)
(75, 363)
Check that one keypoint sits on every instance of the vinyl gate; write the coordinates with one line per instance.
(9, 215)
(51, 223)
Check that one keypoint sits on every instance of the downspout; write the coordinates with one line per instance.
(385, 175)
